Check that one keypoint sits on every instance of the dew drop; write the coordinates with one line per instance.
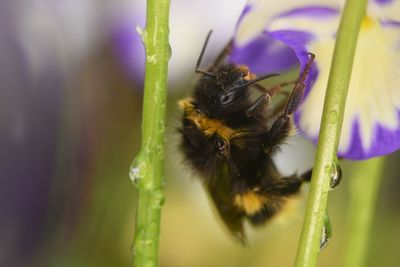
(326, 232)
(325, 238)
(136, 171)
(336, 175)
(134, 174)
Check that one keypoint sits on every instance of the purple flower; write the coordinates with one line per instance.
(42, 44)
(282, 34)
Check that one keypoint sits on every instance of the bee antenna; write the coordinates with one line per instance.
(202, 53)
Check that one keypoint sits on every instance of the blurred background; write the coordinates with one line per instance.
(70, 114)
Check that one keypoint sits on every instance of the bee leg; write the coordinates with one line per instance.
(297, 92)
(278, 133)
(276, 89)
(281, 128)
(294, 99)
(265, 98)
(275, 193)
(336, 177)
(285, 186)
(260, 102)
(306, 176)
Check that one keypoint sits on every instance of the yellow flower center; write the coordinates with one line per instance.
(367, 23)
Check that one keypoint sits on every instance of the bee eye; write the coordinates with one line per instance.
(227, 98)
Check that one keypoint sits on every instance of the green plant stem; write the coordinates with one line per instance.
(331, 124)
(147, 171)
(364, 186)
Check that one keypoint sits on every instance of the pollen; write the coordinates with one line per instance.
(249, 76)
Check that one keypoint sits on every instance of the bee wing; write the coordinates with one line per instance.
(219, 188)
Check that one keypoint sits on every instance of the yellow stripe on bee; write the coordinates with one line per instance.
(250, 202)
(208, 126)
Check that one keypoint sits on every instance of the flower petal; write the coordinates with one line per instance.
(371, 124)
(373, 102)
(305, 20)
(264, 55)
(258, 14)
(384, 9)
(319, 12)
(293, 28)
(383, 2)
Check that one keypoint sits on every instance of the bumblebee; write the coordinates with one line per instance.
(229, 139)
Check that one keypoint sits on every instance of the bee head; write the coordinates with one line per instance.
(222, 92)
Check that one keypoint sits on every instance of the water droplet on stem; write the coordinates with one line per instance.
(136, 172)
(336, 175)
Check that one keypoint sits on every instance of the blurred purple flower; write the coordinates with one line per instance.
(272, 38)
(41, 46)
(128, 47)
